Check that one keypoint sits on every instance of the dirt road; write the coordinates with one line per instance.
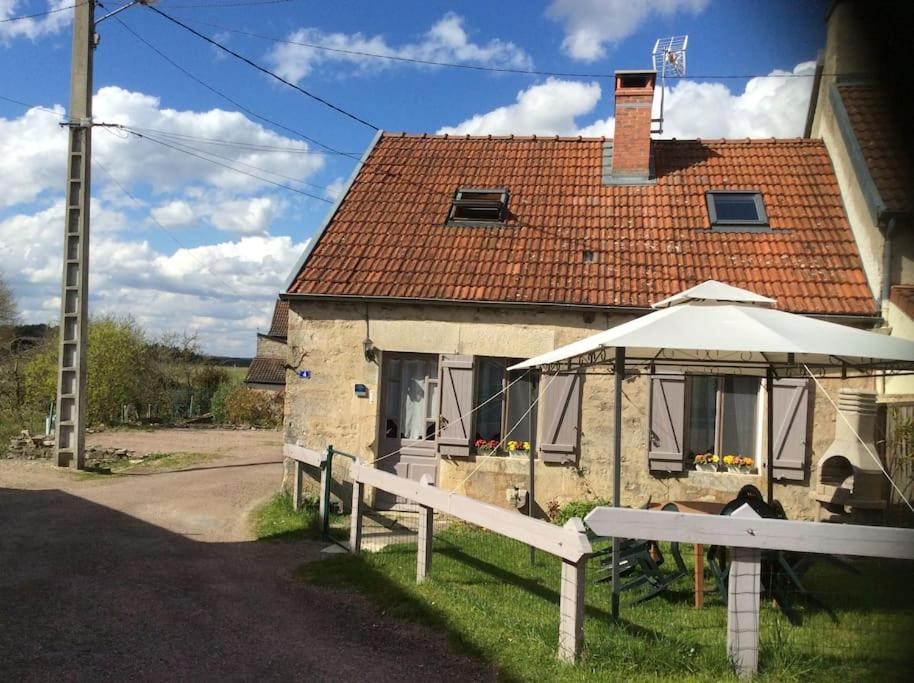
(154, 576)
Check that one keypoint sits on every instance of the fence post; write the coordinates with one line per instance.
(326, 481)
(571, 605)
(297, 484)
(355, 523)
(426, 537)
(744, 586)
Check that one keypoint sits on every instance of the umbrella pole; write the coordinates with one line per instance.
(619, 370)
(769, 428)
(531, 473)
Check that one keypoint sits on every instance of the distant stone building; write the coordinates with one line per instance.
(267, 371)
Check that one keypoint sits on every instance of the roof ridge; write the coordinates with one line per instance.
(580, 138)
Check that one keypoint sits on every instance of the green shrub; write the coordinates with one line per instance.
(251, 407)
(217, 402)
(576, 508)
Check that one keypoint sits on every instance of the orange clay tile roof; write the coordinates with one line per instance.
(266, 371)
(885, 153)
(279, 327)
(388, 237)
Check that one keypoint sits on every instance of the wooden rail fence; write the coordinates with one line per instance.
(747, 534)
(568, 543)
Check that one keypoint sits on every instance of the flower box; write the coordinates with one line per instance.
(705, 467)
(518, 454)
(739, 469)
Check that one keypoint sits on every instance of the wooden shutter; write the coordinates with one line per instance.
(791, 428)
(561, 417)
(455, 418)
(666, 447)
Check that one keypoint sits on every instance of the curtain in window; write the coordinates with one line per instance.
(739, 418)
(489, 383)
(520, 396)
(412, 406)
(703, 414)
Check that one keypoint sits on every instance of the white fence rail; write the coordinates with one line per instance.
(748, 535)
(306, 456)
(568, 543)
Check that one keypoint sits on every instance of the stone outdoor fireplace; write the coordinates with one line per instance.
(849, 486)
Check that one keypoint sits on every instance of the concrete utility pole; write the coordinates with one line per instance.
(74, 297)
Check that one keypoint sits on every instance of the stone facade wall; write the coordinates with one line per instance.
(270, 348)
(324, 409)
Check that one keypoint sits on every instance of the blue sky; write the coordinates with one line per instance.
(205, 248)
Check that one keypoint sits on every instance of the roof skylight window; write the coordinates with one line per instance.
(479, 206)
(737, 210)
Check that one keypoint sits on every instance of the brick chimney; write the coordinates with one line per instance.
(631, 155)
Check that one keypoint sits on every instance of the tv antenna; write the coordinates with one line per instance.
(669, 57)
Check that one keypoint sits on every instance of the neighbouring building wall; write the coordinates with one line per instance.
(324, 409)
(267, 347)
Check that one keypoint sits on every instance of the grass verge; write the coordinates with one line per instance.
(154, 462)
(485, 595)
(275, 520)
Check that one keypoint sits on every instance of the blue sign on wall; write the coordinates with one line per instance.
(304, 374)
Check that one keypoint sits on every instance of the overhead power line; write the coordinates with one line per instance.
(220, 5)
(468, 67)
(42, 14)
(263, 69)
(227, 98)
(183, 150)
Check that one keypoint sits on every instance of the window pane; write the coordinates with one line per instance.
(702, 414)
(489, 384)
(739, 418)
(735, 207)
(412, 399)
(520, 398)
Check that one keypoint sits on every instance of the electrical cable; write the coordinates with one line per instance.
(227, 98)
(474, 67)
(227, 166)
(263, 69)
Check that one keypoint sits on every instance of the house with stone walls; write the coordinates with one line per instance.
(267, 371)
(856, 110)
(447, 259)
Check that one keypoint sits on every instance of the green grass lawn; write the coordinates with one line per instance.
(485, 595)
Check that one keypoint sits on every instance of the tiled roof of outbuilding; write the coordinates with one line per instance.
(279, 327)
(884, 151)
(388, 237)
(266, 371)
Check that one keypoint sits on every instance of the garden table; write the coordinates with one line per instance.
(696, 507)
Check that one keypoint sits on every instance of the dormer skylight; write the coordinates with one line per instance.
(737, 210)
(479, 206)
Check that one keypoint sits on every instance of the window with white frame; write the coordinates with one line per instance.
(504, 403)
(722, 421)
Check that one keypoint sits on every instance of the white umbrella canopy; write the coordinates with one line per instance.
(715, 328)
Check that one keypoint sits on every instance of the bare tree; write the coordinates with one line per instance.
(7, 304)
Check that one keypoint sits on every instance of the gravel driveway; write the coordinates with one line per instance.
(154, 576)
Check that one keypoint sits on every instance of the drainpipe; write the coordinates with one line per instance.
(886, 288)
(887, 265)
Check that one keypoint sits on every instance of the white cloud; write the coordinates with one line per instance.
(549, 108)
(592, 24)
(175, 214)
(233, 282)
(37, 26)
(767, 107)
(33, 149)
(446, 41)
(335, 189)
(228, 282)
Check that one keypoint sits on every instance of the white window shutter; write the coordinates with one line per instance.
(561, 425)
(455, 417)
(791, 428)
(666, 446)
